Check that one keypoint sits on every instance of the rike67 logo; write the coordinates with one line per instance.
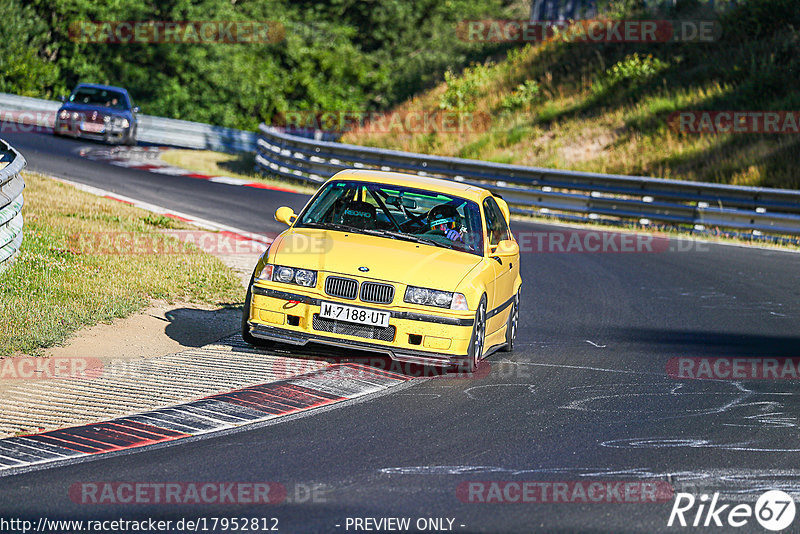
(774, 510)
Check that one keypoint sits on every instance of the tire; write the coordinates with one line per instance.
(477, 341)
(246, 335)
(131, 139)
(512, 325)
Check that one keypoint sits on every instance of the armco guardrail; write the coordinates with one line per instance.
(528, 190)
(11, 186)
(157, 130)
(539, 191)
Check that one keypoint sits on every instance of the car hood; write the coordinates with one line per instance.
(387, 259)
(71, 106)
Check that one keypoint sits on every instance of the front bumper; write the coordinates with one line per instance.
(423, 338)
(111, 134)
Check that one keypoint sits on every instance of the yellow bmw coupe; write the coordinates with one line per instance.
(424, 270)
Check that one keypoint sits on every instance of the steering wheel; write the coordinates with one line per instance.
(414, 220)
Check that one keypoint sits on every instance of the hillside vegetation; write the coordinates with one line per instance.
(345, 54)
(606, 107)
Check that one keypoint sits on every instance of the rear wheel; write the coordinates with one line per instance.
(512, 324)
(246, 335)
(476, 344)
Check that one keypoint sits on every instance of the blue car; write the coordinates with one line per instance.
(99, 112)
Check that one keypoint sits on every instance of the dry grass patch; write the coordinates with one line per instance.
(58, 284)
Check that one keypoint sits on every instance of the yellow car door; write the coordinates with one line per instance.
(505, 259)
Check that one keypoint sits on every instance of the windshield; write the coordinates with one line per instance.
(397, 212)
(99, 97)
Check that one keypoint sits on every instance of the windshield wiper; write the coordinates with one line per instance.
(331, 226)
(412, 237)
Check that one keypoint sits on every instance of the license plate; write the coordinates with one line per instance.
(353, 314)
(93, 127)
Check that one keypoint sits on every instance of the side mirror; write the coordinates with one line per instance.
(506, 247)
(62, 98)
(135, 109)
(285, 215)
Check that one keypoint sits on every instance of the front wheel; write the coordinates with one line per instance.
(246, 335)
(476, 344)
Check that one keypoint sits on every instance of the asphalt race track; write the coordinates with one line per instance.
(585, 397)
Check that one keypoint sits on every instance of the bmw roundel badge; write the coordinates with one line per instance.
(363, 269)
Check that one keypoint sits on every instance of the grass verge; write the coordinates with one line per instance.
(54, 288)
(222, 164)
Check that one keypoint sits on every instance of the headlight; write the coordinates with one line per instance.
(433, 297)
(121, 122)
(284, 274)
(64, 114)
(417, 295)
(75, 115)
(106, 119)
(288, 275)
(305, 278)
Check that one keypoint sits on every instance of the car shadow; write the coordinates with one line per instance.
(709, 343)
(193, 327)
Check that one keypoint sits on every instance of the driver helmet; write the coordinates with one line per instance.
(444, 217)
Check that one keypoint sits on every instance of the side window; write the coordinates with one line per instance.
(496, 227)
